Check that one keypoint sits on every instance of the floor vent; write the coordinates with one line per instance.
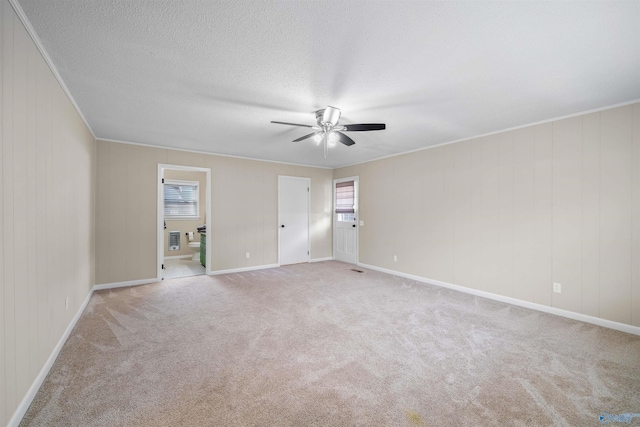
(356, 270)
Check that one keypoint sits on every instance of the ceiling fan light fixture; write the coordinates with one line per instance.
(332, 139)
(317, 138)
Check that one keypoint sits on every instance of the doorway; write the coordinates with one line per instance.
(293, 219)
(184, 211)
(345, 224)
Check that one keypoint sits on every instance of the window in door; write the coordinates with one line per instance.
(345, 201)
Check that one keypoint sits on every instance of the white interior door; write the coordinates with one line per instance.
(293, 213)
(345, 239)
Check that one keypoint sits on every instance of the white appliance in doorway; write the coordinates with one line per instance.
(293, 217)
(345, 220)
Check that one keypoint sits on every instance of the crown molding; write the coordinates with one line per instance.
(34, 36)
(255, 159)
(568, 116)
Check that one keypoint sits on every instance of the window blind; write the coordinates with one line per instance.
(345, 196)
(180, 200)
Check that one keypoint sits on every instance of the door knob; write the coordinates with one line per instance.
(353, 225)
(282, 226)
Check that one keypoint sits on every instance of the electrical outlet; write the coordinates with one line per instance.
(395, 258)
(557, 288)
(66, 303)
(361, 223)
(247, 255)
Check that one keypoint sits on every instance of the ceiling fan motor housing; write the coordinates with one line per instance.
(328, 116)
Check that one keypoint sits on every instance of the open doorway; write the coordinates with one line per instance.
(183, 214)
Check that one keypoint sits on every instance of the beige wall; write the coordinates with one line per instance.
(184, 225)
(244, 198)
(514, 212)
(509, 213)
(47, 162)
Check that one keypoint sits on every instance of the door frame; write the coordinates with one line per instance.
(356, 208)
(160, 214)
(308, 180)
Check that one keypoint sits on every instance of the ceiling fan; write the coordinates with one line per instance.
(328, 130)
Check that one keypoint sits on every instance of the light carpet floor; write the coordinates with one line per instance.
(321, 345)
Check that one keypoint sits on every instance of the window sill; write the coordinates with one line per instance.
(182, 218)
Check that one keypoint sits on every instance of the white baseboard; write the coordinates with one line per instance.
(124, 284)
(179, 256)
(329, 258)
(35, 386)
(241, 270)
(635, 330)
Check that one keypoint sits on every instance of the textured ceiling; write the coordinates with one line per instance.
(211, 75)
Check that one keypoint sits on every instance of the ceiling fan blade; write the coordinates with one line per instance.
(292, 124)
(345, 139)
(364, 126)
(305, 137)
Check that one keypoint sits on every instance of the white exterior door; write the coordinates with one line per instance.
(345, 202)
(293, 214)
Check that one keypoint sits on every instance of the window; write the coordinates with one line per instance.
(181, 199)
(345, 200)
(346, 217)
